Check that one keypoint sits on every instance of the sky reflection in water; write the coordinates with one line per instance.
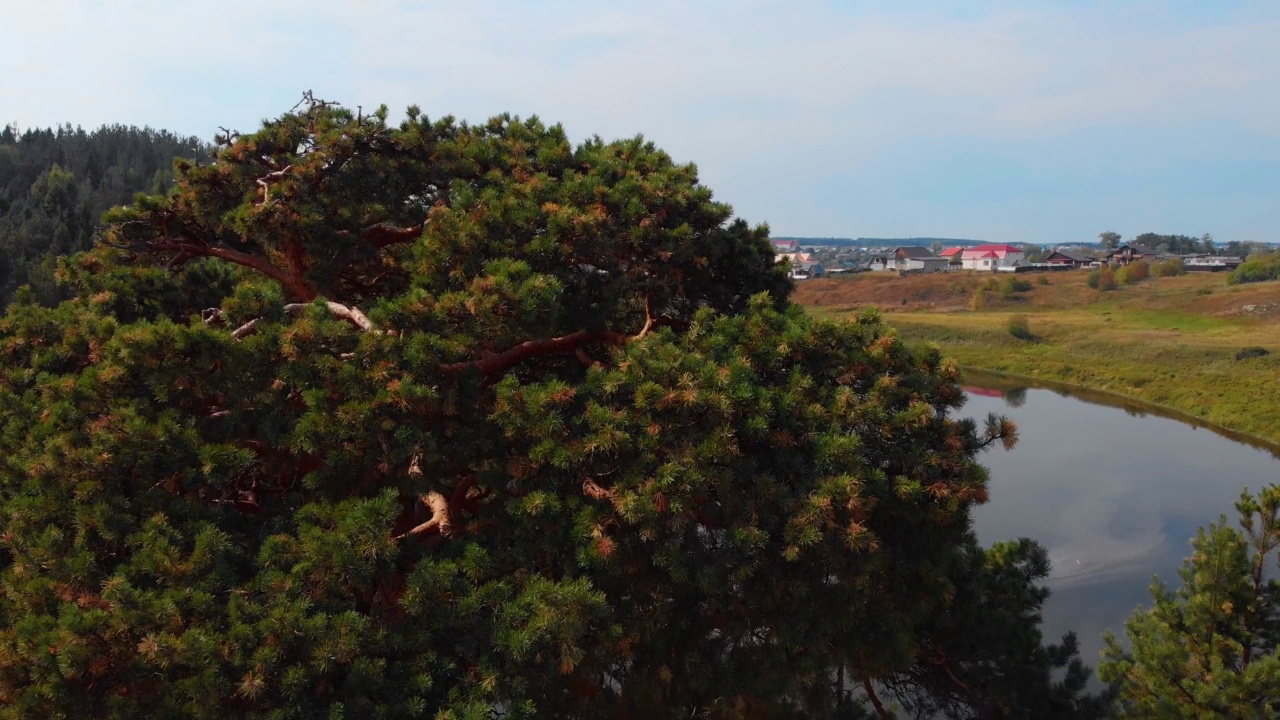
(1114, 496)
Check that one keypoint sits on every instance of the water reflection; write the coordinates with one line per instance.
(1113, 492)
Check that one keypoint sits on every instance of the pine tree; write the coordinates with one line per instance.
(449, 420)
(1209, 648)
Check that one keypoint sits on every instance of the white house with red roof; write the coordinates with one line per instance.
(991, 257)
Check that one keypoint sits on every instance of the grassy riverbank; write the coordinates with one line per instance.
(1168, 341)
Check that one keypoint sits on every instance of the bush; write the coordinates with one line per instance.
(1042, 280)
(1010, 286)
(1169, 268)
(1252, 352)
(991, 285)
(1258, 268)
(1132, 274)
(1020, 328)
(1092, 278)
(1106, 280)
(980, 300)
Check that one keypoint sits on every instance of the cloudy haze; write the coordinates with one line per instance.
(1029, 121)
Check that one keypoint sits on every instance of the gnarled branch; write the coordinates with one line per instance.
(296, 285)
(266, 189)
(439, 521)
(351, 314)
(383, 235)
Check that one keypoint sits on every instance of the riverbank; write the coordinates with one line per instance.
(1172, 342)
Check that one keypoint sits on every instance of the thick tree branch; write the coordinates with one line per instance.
(439, 521)
(299, 287)
(875, 699)
(495, 363)
(382, 235)
(266, 189)
(343, 312)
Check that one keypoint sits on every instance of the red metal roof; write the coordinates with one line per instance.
(998, 248)
(951, 251)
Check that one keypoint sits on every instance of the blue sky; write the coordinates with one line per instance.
(1007, 121)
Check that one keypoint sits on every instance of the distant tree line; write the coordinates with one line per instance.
(1182, 244)
(56, 183)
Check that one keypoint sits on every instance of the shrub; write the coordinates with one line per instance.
(1019, 327)
(991, 285)
(1258, 268)
(1132, 274)
(1169, 268)
(1106, 280)
(980, 300)
(1252, 352)
(1042, 280)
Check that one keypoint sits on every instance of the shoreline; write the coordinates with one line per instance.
(1009, 381)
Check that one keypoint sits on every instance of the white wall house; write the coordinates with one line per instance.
(992, 257)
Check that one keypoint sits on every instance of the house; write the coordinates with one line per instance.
(917, 258)
(952, 254)
(786, 246)
(1126, 254)
(1210, 263)
(803, 266)
(880, 263)
(806, 269)
(991, 257)
(1069, 258)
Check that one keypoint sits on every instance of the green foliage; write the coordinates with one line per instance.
(1019, 327)
(1042, 280)
(1209, 649)
(1259, 267)
(1132, 274)
(56, 183)
(1011, 285)
(580, 457)
(1171, 267)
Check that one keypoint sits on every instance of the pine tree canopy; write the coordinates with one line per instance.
(464, 421)
(1210, 648)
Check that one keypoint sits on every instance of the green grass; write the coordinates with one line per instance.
(1172, 359)
(1170, 341)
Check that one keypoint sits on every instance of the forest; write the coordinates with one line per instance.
(55, 184)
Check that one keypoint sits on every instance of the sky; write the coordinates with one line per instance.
(1031, 121)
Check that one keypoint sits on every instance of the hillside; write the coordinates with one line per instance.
(56, 183)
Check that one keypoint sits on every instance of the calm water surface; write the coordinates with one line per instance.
(1114, 494)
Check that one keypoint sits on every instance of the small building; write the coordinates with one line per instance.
(952, 254)
(1210, 263)
(916, 258)
(1069, 258)
(991, 257)
(786, 246)
(1126, 254)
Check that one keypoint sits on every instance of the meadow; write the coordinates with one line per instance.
(1190, 343)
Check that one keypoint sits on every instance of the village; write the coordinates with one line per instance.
(814, 261)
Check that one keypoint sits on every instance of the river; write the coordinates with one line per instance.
(1114, 491)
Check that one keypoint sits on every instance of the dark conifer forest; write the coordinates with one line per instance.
(55, 184)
